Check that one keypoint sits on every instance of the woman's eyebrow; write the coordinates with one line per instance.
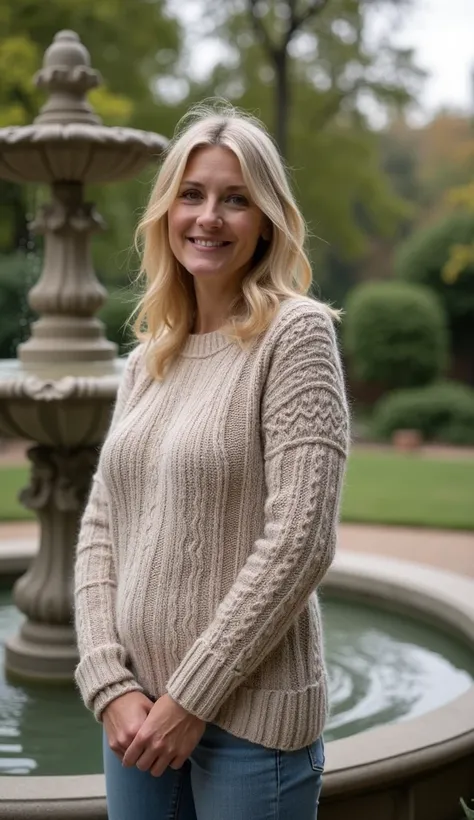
(192, 183)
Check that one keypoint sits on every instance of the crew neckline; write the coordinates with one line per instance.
(201, 345)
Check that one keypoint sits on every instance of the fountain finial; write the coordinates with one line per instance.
(67, 74)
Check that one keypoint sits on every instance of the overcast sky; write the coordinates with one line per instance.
(442, 33)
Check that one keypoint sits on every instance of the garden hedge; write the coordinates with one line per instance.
(395, 334)
(441, 412)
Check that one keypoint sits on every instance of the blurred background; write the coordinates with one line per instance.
(372, 105)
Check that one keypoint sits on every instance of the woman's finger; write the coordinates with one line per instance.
(160, 765)
(177, 763)
(137, 747)
(147, 759)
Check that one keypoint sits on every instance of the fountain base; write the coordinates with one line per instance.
(42, 652)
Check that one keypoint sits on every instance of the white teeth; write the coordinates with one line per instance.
(206, 244)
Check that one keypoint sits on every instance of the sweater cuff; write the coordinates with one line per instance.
(102, 676)
(110, 693)
(202, 682)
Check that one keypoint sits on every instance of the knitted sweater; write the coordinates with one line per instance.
(211, 521)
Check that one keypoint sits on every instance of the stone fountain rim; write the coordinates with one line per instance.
(380, 756)
(65, 387)
(17, 135)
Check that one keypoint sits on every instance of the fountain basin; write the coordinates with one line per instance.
(75, 152)
(58, 406)
(414, 769)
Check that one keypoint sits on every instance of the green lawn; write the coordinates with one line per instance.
(381, 488)
(12, 480)
(397, 488)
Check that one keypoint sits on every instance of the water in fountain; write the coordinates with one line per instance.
(44, 729)
(383, 668)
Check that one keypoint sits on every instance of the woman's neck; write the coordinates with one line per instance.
(212, 310)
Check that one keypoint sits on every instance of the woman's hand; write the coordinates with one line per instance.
(166, 738)
(122, 719)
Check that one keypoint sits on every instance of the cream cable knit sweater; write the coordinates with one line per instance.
(211, 520)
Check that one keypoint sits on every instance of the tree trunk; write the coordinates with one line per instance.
(282, 101)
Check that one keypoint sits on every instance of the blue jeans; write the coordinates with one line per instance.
(226, 778)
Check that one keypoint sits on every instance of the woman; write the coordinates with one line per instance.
(212, 516)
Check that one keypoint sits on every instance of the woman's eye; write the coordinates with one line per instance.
(238, 199)
(192, 194)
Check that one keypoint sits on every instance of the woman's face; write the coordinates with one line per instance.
(213, 225)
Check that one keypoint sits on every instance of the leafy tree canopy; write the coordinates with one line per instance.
(333, 76)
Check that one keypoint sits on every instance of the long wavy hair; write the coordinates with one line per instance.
(280, 268)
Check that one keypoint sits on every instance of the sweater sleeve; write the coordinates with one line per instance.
(102, 674)
(305, 431)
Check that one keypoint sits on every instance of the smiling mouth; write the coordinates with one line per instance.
(208, 243)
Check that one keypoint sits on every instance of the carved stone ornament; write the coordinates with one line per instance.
(67, 70)
(59, 477)
(32, 387)
(55, 216)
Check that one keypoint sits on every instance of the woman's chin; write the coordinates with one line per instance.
(205, 271)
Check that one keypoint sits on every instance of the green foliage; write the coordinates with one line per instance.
(115, 314)
(395, 334)
(422, 258)
(132, 43)
(15, 281)
(344, 193)
(121, 205)
(442, 412)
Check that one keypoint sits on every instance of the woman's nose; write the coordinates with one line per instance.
(209, 216)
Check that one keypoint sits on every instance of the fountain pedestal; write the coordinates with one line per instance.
(60, 392)
(45, 646)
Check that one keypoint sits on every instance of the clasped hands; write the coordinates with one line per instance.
(151, 736)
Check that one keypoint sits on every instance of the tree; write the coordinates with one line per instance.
(291, 22)
(331, 71)
(422, 259)
(445, 157)
(319, 42)
(461, 257)
(132, 43)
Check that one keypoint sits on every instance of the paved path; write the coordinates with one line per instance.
(13, 451)
(440, 548)
(446, 549)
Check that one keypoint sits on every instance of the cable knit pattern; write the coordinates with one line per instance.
(211, 521)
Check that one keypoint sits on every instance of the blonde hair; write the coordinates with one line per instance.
(281, 268)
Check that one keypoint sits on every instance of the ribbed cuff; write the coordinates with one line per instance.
(103, 670)
(110, 693)
(202, 682)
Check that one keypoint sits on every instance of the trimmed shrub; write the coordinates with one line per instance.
(442, 412)
(421, 260)
(115, 314)
(395, 334)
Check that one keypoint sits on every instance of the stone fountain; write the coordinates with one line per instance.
(59, 391)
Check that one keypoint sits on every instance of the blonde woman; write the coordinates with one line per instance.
(212, 517)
